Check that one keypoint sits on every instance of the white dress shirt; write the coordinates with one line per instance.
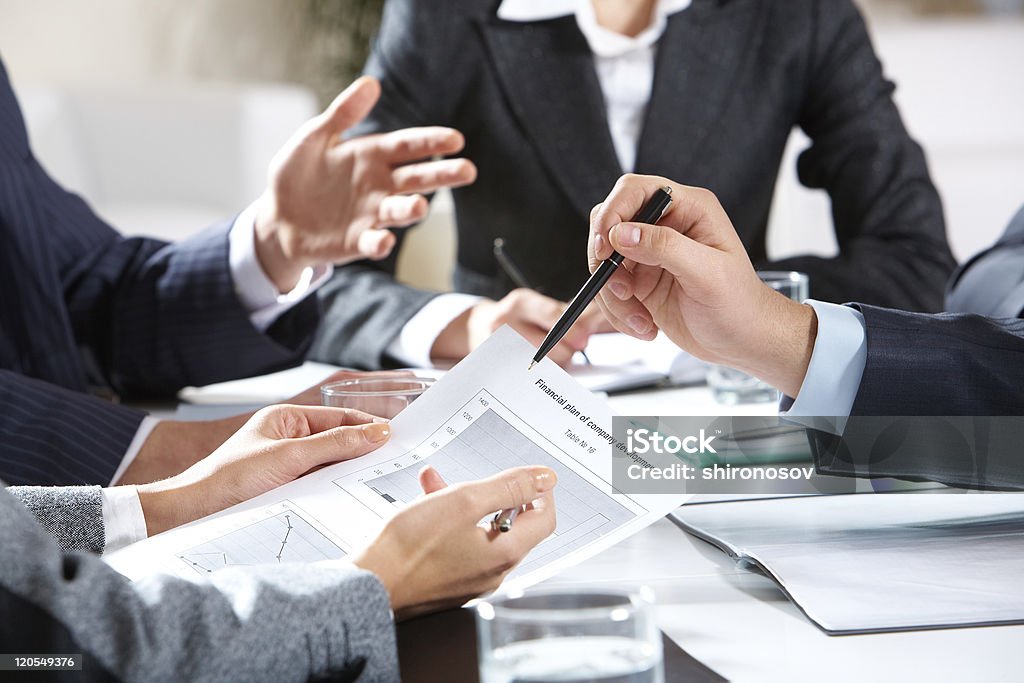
(625, 71)
(123, 519)
(837, 364)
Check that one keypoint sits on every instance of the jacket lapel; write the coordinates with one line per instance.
(699, 57)
(547, 72)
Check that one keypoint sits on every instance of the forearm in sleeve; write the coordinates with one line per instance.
(887, 214)
(364, 310)
(273, 623)
(53, 436)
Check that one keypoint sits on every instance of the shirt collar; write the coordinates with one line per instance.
(603, 42)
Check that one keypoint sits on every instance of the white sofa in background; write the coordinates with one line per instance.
(164, 160)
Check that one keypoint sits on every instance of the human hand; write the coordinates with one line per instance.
(530, 314)
(690, 277)
(277, 445)
(329, 200)
(434, 554)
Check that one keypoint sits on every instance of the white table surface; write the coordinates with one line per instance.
(741, 625)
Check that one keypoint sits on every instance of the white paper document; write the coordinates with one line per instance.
(487, 414)
(881, 562)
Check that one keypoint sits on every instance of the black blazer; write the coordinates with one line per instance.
(732, 78)
(84, 308)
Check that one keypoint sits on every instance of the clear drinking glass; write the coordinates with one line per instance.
(381, 396)
(730, 386)
(605, 636)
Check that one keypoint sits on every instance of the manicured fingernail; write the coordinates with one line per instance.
(382, 420)
(639, 323)
(627, 236)
(376, 432)
(618, 289)
(598, 244)
(544, 479)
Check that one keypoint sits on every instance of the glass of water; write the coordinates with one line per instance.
(730, 386)
(377, 395)
(605, 636)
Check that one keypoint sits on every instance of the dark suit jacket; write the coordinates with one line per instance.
(992, 282)
(732, 78)
(966, 362)
(84, 307)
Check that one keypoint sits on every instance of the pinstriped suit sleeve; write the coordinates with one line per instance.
(159, 316)
(51, 435)
(152, 317)
(289, 622)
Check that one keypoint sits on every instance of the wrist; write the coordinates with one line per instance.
(166, 505)
(385, 571)
(173, 446)
(453, 342)
(275, 250)
(780, 351)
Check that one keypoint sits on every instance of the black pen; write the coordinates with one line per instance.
(516, 275)
(651, 213)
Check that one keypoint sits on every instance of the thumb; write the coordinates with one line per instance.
(431, 480)
(657, 245)
(351, 106)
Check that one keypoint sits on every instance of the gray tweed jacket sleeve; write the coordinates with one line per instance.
(272, 623)
(73, 515)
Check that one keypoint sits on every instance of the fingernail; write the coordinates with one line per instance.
(376, 432)
(382, 420)
(639, 323)
(598, 244)
(618, 289)
(544, 479)
(627, 236)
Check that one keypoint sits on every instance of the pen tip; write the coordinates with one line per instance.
(532, 363)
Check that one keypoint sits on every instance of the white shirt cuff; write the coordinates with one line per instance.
(124, 522)
(145, 428)
(413, 344)
(260, 298)
(837, 364)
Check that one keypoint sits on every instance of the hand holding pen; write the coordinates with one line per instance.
(650, 213)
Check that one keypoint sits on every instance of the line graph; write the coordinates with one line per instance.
(282, 537)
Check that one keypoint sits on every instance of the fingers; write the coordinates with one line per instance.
(430, 176)
(509, 489)
(413, 144)
(627, 197)
(375, 244)
(530, 527)
(533, 315)
(340, 443)
(350, 107)
(628, 316)
(299, 421)
(431, 480)
(398, 211)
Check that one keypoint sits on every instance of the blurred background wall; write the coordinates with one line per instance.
(123, 96)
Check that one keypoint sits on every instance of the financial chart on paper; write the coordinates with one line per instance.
(480, 439)
(282, 536)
